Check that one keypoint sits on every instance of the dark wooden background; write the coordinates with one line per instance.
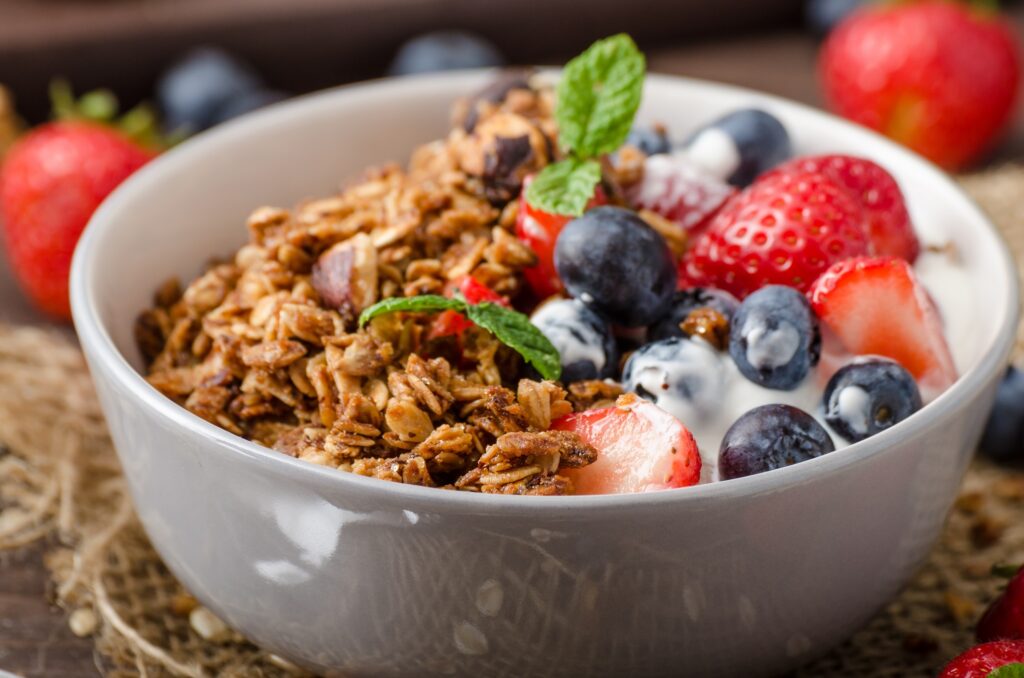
(34, 638)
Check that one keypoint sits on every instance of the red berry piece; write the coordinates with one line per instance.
(641, 447)
(677, 189)
(940, 77)
(51, 182)
(540, 230)
(876, 306)
(1004, 619)
(785, 229)
(982, 660)
(454, 323)
(890, 232)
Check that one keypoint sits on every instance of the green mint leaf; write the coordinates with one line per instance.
(423, 303)
(517, 332)
(1014, 670)
(598, 96)
(564, 187)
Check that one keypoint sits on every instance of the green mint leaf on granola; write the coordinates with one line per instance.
(515, 330)
(564, 187)
(424, 303)
(598, 96)
(1014, 670)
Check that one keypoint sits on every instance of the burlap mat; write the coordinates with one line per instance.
(59, 477)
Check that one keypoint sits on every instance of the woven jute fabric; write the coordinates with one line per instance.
(59, 478)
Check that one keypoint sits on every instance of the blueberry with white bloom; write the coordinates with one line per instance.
(686, 302)
(868, 396)
(739, 146)
(770, 437)
(583, 339)
(775, 339)
(445, 51)
(682, 376)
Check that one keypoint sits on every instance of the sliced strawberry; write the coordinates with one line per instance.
(677, 189)
(890, 231)
(540, 230)
(450, 323)
(641, 447)
(876, 306)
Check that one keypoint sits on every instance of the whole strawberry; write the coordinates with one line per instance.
(940, 77)
(1004, 619)
(985, 661)
(51, 182)
(785, 229)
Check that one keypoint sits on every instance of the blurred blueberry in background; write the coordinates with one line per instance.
(821, 16)
(208, 86)
(445, 51)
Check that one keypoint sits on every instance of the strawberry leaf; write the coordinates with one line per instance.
(1014, 670)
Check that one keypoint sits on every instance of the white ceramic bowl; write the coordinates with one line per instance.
(339, 572)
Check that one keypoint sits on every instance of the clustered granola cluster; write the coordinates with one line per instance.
(266, 345)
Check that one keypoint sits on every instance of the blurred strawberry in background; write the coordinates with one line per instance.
(53, 178)
(939, 76)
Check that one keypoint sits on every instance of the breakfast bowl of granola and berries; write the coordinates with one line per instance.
(591, 373)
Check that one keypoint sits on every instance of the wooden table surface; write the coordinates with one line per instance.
(34, 638)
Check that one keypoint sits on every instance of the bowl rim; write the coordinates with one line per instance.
(99, 345)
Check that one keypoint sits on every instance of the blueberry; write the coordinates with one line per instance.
(610, 259)
(775, 338)
(681, 376)
(192, 92)
(739, 146)
(444, 51)
(770, 437)
(651, 140)
(685, 302)
(582, 337)
(1004, 433)
(868, 396)
(246, 102)
(821, 16)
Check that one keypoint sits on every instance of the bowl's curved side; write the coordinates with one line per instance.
(334, 578)
(750, 576)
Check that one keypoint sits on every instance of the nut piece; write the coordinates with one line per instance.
(708, 324)
(208, 625)
(345, 276)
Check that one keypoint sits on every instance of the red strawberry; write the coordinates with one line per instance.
(641, 447)
(51, 182)
(540, 230)
(980, 661)
(875, 306)
(678, 190)
(1004, 619)
(784, 229)
(452, 322)
(937, 76)
(890, 232)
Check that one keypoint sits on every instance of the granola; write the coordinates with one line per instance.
(265, 345)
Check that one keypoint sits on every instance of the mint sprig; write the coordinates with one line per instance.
(598, 97)
(511, 328)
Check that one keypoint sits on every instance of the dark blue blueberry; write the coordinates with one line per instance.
(444, 51)
(741, 145)
(682, 376)
(770, 437)
(685, 302)
(247, 102)
(652, 140)
(868, 396)
(775, 338)
(611, 260)
(821, 16)
(582, 337)
(193, 91)
(1004, 433)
